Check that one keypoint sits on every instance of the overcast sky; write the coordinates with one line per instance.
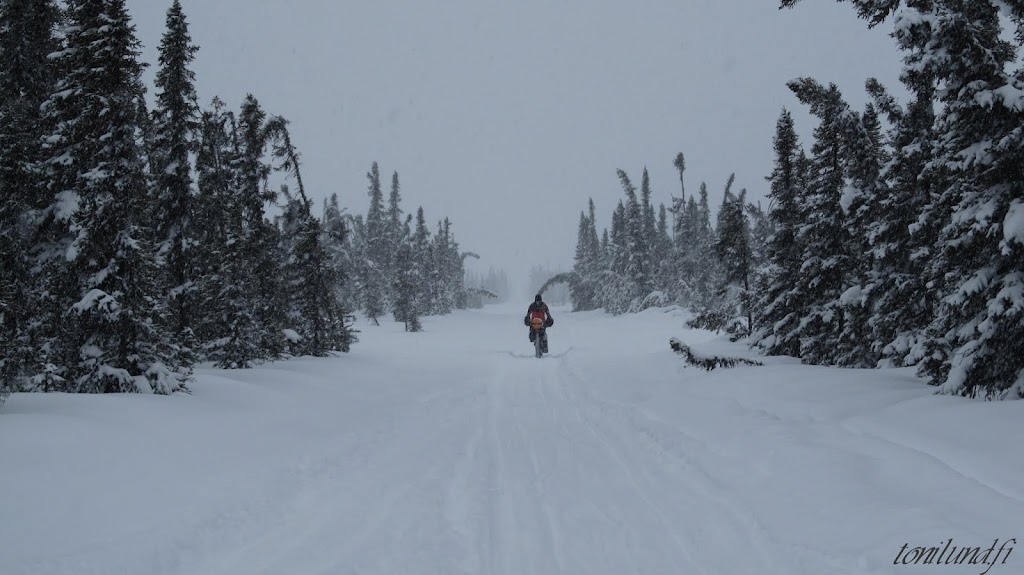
(507, 116)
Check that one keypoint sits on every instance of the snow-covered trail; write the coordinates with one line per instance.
(455, 451)
(509, 468)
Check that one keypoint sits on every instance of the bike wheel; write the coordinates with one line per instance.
(538, 346)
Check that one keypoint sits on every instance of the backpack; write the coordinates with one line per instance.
(539, 313)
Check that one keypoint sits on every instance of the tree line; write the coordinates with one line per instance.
(896, 239)
(398, 265)
(670, 255)
(494, 288)
(136, 242)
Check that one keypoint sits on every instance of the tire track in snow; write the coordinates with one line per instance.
(541, 496)
(559, 415)
(681, 547)
(248, 526)
(523, 534)
(554, 509)
(779, 554)
(334, 511)
(497, 562)
(465, 499)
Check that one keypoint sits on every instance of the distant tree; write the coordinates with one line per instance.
(394, 233)
(497, 282)
(407, 281)
(704, 275)
(337, 239)
(375, 279)
(761, 229)
(616, 248)
(726, 305)
(733, 247)
(637, 264)
(661, 252)
(422, 257)
(649, 232)
(680, 164)
(584, 287)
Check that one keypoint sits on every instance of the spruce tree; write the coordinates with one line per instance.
(761, 229)
(448, 269)
(422, 256)
(223, 319)
(337, 239)
(582, 287)
(352, 255)
(594, 243)
(406, 281)
(255, 260)
(27, 76)
(662, 251)
(732, 247)
(375, 280)
(702, 251)
(618, 289)
(977, 336)
(648, 231)
(687, 240)
(394, 233)
(317, 314)
(175, 127)
(721, 297)
(973, 343)
(864, 190)
(589, 265)
(606, 248)
(779, 305)
(903, 238)
(107, 283)
(618, 240)
(636, 269)
(827, 246)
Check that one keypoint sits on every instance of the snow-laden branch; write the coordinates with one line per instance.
(707, 362)
(565, 277)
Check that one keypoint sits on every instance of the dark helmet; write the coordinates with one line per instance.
(537, 299)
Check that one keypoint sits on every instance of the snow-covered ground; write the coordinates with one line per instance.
(454, 451)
